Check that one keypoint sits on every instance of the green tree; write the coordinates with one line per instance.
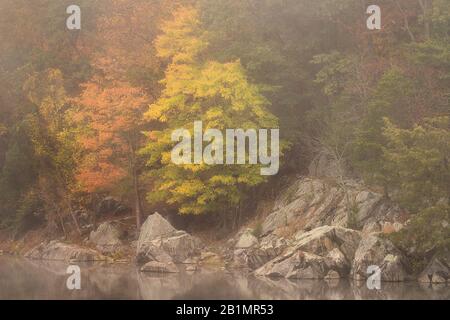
(418, 163)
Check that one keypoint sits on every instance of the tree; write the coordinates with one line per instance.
(417, 161)
(110, 120)
(218, 94)
(54, 146)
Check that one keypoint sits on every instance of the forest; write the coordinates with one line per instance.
(86, 114)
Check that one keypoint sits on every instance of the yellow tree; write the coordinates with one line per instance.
(196, 89)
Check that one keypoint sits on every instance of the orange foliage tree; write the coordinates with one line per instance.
(110, 120)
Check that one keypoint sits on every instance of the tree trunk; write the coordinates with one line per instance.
(137, 200)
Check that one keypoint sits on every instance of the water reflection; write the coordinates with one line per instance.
(25, 279)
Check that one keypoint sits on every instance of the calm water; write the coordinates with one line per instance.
(24, 279)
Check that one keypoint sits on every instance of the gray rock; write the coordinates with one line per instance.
(179, 246)
(255, 257)
(437, 271)
(324, 239)
(58, 251)
(150, 252)
(160, 267)
(337, 261)
(247, 240)
(155, 226)
(295, 265)
(158, 233)
(308, 203)
(324, 165)
(106, 238)
(376, 251)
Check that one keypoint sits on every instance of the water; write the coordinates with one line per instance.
(25, 279)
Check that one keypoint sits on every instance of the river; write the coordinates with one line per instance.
(24, 279)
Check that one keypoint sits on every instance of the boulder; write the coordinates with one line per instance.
(247, 240)
(252, 258)
(58, 251)
(437, 271)
(256, 256)
(380, 252)
(106, 238)
(159, 267)
(150, 252)
(337, 261)
(295, 265)
(158, 233)
(180, 246)
(155, 226)
(324, 239)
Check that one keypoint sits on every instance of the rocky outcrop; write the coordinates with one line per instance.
(437, 271)
(325, 252)
(309, 203)
(375, 251)
(296, 264)
(58, 251)
(331, 228)
(159, 241)
(107, 238)
(253, 253)
(325, 239)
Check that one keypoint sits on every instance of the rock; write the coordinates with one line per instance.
(150, 252)
(437, 271)
(309, 203)
(106, 238)
(59, 251)
(324, 165)
(255, 257)
(252, 258)
(337, 261)
(157, 232)
(332, 275)
(159, 267)
(155, 226)
(380, 252)
(180, 246)
(371, 227)
(210, 258)
(247, 240)
(295, 265)
(324, 239)
(388, 228)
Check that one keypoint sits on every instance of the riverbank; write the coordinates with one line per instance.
(310, 233)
